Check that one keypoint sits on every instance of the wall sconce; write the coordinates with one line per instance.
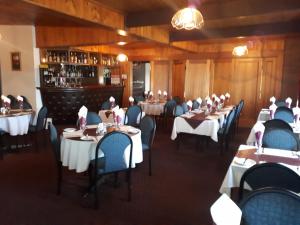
(240, 50)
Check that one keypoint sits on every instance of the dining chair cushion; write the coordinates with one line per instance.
(179, 110)
(133, 115)
(280, 139)
(285, 114)
(93, 118)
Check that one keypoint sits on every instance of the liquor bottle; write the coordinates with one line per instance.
(50, 57)
(75, 58)
(71, 57)
(85, 59)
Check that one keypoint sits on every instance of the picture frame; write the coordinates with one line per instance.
(16, 61)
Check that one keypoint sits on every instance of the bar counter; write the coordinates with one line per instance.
(63, 103)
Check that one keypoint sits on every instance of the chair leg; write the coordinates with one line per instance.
(149, 159)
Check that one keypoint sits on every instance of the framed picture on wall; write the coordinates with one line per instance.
(16, 61)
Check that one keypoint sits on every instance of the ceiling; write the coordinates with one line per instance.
(223, 18)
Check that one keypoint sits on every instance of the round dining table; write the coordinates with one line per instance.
(16, 122)
(77, 149)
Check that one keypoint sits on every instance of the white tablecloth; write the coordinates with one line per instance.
(152, 108)
(17, 124)
(207, 127)
(236, 170)
(263, 115)
(77, 154)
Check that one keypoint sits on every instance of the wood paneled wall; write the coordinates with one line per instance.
(160, 76)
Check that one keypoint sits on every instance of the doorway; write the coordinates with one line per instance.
(141, 78)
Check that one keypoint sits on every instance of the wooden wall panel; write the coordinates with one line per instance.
(178, 79)
(244, 85)
(160, 72)
(197, 80)
(222, 73)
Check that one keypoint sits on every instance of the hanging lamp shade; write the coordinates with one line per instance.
(188, 18)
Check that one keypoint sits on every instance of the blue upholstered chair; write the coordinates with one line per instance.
(195, 105)
(40, 124)
(280, 103)
(105, 105)
(148, 129)
(179, 110)
(285, 114)
(184, 107)
(281, 139)
(55, 144)
(271, 206)
(113, 146)
(269, 175)
(26, 103)
(177, 99)
(92, 118)
(168, 113)
(138, 99)
(238, 111)
(277, 123)
(225, 131)
(133, 115)
(13, 102)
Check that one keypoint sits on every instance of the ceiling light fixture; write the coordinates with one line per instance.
(122, 57)
(122, 32)
(240, 50)
(122, 43)
(187, 18)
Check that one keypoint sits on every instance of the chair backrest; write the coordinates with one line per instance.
(229, 120)
(148, 129)
(105, 105)
(280, 103)
(92, 118)
(281, 139)
(138, 99)
(169, 108)
(41, 119)
(240, 107)
(55, 143)
(133, 115)
(284, 113)
(26, 104)
(13, 102)
(195, 105)
(184, 107)
(177, 99)
(270, 175)
(271, 206)
(114, 145)
(178, 110)
(277, 123)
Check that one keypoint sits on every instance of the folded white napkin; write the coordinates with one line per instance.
(288, 101)
(259, 130)
(189, 104)
(222, 98)
(77, 133)
(209, 102)
(145, 92)
(165, 93)
(227, 95)
(151, 93)
(5, 99)
(225, 212)
(217, 99)
(159, 92)
(19, 98)
(273, 99)
(112, 99)
(272, 108)
(131, 99)
(199, 100)
(82, 112)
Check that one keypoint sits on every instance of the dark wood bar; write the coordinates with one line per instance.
(64, 103)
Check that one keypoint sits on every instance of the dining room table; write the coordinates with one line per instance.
(16, 121)
(152, 107)
(248, 156)
(78, 147)
(200, 122)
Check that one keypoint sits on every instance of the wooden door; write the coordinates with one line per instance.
(244, 84)
(178, 79)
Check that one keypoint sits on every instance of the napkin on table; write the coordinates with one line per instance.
(272, 108)
(288, 102)
(189, 104)
(273, 100)
(112, 99)
(227, 95)
(165, 93)
(131, 100)
(259, 130)
(19, 98)
(225, 212)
